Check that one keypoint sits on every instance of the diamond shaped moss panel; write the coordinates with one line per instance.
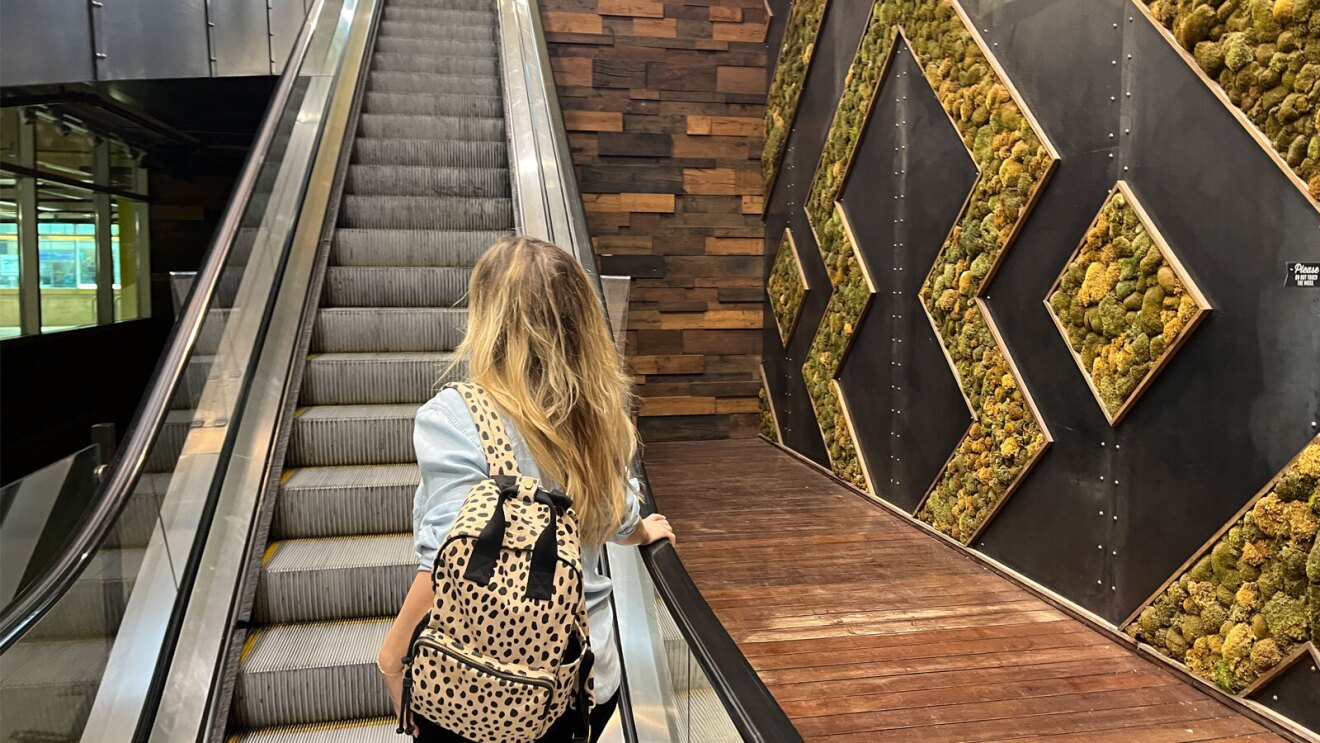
(1247, 605)
(787, 287)
(1124, 304)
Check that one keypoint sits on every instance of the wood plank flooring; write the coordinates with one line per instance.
(866, 628)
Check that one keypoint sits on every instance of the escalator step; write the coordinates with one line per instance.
(325, 435)
(410, 247)
(415, 30)
(47, 687)
(328, 501)
(446, 64)
(385, 81)
(438, 47)
(94, 605)
(141, 512)
(388, 329)
(305, 673)
(421, 180)
(348, 731)
(424, 126)
(455, 4)
(396, 287)
(334, 578)
(447, 16)
(429, 152)
(169, 442)
(434, 105)
(374, 378)
(423, 212)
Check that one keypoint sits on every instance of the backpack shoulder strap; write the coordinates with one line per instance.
(495, 441)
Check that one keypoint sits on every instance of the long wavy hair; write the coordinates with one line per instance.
(537, 341)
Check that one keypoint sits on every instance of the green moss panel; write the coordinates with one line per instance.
(1254, 595)
(785, 289)
(1013, 162)
(1265, 55)
(1120, 303)
(998, 448)
(768, 428)
(790, 75)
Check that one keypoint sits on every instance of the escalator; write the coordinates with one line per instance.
(251, 541)
(427, 190)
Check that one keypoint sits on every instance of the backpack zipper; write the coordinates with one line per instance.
(549, 686)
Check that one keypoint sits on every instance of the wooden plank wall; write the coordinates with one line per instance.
(663, 101)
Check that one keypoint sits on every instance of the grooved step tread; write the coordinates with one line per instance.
(341, 577)
(339, 500)
(427, 180)
(396, 287)
(422, 248)
(385, 329)
(378, 730)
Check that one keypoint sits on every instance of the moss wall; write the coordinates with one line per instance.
(1254, 595)
(1013, 163)
(790, 75)
(1265, 54)
(785, 287)
(1121, 304)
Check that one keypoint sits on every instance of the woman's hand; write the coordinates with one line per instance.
(652, 529)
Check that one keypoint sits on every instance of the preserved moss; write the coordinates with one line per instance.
(790, 75)
(768, 428)
(1265, 56)
(1013, 163)
(785, 287)
(1117, 301)
(1255, 596)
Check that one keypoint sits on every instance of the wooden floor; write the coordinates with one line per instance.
(866, 628)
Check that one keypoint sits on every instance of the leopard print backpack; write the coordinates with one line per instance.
(504, 652)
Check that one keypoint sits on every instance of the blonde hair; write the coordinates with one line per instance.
(537, 341)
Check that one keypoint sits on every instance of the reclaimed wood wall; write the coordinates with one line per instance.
(663, 101)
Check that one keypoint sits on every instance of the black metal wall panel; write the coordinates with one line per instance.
(1242, 396)
(1295, 693)
(1058, 526)
(30, 30)
(902, 197)
(840, 32)
(240, 37)
(153, 39)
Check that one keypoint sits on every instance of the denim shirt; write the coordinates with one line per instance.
(452, 461)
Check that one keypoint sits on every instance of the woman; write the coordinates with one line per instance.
(538, 344)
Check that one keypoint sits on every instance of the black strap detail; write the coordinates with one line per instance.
(541, 581)
(486, 552)
(582, 731)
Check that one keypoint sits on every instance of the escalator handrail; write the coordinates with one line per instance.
(751, 707)
(122, 475)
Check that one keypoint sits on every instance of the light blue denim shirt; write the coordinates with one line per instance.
(451, 458)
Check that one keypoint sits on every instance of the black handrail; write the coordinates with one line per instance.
(752, 709)
(123, 473)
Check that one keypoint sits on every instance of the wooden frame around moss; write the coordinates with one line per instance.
(1309, 647)
(1171, 259)
(1218, 91)
(786, 333)
(835, 389)
(770, 402)
(1210, 543)
(1026, 468)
